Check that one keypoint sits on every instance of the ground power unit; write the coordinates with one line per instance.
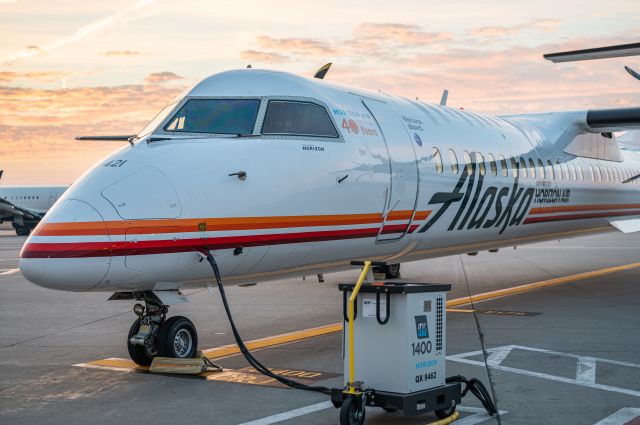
(399, 348)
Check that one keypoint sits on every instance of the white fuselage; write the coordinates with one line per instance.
(378, 190)
(37, 199)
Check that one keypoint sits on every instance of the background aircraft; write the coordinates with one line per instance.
(606, 52)
(24, 206)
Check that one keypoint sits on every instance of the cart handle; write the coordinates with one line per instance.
(351, 316)
(344, 307)
(386, 318)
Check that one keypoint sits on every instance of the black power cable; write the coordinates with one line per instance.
(243, 348)
(478, 389)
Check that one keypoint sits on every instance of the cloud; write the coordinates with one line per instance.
(42, 123)
(399, 33)
(267, 57)
(307, 46)
(41, 76)
(536, 25)
(123, 53)
(82, 32)
(162, 77)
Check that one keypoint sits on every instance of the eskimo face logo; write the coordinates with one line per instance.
(422, 330)
(509, 205)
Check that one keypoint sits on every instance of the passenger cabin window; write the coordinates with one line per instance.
(556, 170)
(590, 175)
(572, 171)
(503, 165)
(216, 116)
(492, 164)
(467, 161)
(298, 119)
(437, 160)
(453, 159)
(550, 173)
(532, 168)
(540, 169)
(514, 167)
(480, 160)
(565, 171)
(523, 168)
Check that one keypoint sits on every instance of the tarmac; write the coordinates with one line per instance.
(565, 351)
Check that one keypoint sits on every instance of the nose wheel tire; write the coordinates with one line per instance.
(177, 338)
(22, 231)
(138, 353)
(350, 414)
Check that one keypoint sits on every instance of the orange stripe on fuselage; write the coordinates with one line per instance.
(421, 215)
(212, 224)
(576, 208)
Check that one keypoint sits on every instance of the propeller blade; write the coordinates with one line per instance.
(322, 71)
(633, 73)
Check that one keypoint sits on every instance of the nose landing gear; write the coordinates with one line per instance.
(152, 334)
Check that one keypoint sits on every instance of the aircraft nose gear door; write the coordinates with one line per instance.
(403, 196)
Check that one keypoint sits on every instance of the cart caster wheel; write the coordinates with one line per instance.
(390, 409)
(349, 413)
(445, 413)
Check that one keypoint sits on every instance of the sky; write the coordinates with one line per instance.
(71, 68)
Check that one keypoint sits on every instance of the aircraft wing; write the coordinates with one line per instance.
(620, 50)
(7, 209)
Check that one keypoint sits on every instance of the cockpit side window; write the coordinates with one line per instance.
(286, 117)
(216, 116)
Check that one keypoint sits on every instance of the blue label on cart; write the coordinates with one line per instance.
(422, 330)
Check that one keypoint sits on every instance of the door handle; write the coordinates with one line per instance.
(242, 175)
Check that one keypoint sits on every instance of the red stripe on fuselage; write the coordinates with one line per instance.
(107, 249)
(544, 219)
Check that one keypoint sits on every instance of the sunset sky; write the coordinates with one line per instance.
(85, 67)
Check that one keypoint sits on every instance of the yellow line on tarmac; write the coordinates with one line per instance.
(287, 338)
(537, 285)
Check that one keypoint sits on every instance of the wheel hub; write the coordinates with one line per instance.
(182, 343)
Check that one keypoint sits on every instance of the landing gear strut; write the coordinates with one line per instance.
(152, 334)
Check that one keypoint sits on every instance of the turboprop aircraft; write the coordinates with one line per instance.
(24, 206)
(279, 175)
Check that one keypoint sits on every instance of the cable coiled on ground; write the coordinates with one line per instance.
(478, 389)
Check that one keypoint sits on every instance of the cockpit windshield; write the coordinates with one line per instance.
(154, 123)
(216, 116)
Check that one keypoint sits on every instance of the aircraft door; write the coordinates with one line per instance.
(403, 193)
(53, 197)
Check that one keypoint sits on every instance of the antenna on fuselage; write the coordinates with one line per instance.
(445, 96)
(322, 71)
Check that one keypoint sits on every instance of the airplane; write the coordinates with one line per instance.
(278, 175)
(605, 52)
(24, 206)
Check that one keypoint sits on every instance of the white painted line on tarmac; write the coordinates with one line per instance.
(281, 417)
(480, 415)
(622, 416)
(585, 374)
(9, 271)
(586, 370)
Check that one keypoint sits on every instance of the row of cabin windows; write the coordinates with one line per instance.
(20, 197)
(530, 168)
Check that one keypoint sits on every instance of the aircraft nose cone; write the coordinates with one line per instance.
(69, 250)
